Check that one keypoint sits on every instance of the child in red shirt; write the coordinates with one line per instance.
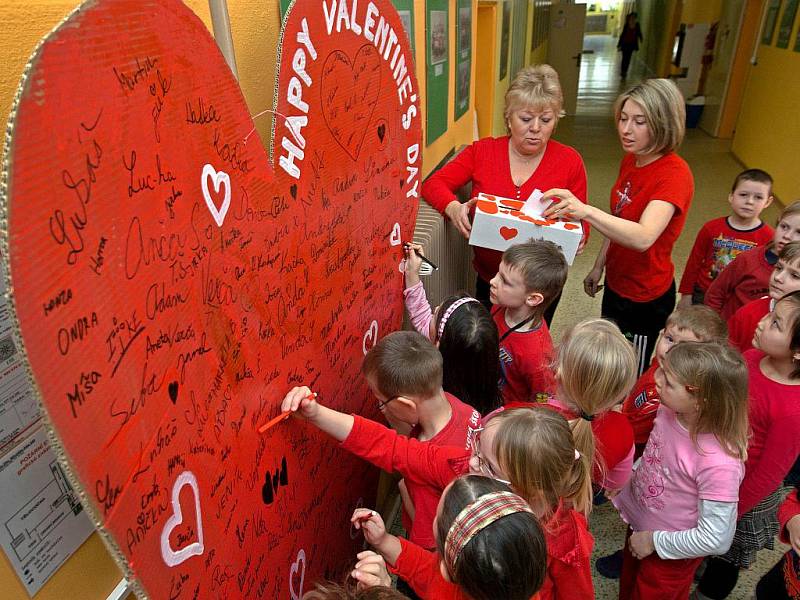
(785, 278)
(404, 372)
(595, 368)
(694, 323)
(489, 545)
(747, 277)
(530, 276)
(774, 445)
(720, 240)
(532, 449)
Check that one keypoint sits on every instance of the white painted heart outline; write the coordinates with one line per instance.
(395, 238)
(170, 556)
(371, 335)
(301, 560)
(218, 177)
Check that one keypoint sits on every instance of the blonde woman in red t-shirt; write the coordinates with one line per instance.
(649, 202)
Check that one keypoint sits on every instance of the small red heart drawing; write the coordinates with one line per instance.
(508, 232)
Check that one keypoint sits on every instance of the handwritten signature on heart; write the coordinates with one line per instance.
(175, 557)
(218, 178)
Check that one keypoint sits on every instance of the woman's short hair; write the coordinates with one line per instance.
(536, 86)
(665, 111)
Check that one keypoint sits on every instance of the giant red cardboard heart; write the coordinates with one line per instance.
(170, 287)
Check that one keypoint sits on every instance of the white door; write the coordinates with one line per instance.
(565, 47)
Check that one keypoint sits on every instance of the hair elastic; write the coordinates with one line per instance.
(577, 454)
(587, 417)
(450, 310)
(475, 517)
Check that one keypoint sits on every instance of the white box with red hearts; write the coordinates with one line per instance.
(500, 223)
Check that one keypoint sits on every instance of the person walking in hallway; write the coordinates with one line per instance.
(629, 42)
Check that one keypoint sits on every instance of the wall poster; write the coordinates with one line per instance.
(437, 55)
(770, 21)
(787, 24)
(505, 39)
(405, 8)
(171, 278)
(463, 56)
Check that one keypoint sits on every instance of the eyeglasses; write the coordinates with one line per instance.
(483, 465)
(385, 402)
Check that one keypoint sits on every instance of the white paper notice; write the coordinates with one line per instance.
(41, 520)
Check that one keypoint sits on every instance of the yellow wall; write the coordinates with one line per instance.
(458, 132)
(500, 87)
(701, 11)
(768, 127)
(486, 67)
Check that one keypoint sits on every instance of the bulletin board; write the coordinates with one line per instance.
(405, 8)
(437, 53)
(463, 56)
(171, 279)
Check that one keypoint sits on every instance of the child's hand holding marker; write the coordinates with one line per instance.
(302, 402)
(371, 523)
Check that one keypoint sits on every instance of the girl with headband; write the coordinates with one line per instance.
(489, 545)
(530, 449)
(465, 334)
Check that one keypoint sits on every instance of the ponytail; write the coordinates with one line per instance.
(595, 369)
(535, 448)
(579, 482)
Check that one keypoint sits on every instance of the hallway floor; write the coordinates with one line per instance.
(593, 134)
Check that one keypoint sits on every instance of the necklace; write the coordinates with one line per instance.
(519, 156)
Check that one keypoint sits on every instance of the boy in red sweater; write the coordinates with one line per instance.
(785, 278)
(747, 277)
(530, 277)
(720, 240)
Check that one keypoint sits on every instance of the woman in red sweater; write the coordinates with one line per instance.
(512, 166)
(649, 203)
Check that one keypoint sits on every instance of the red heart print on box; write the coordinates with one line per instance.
(508, 232)
(172, 280)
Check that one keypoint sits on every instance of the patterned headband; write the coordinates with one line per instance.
(475, 517)
(449, 312)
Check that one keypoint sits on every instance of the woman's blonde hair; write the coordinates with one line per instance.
(664, 109)
(535, 448)
(536, 86)
(595, 369)
(716, 375)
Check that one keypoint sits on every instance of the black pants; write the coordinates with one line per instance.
(640, 322)
(406, 589)
(627, 53)
(482, 294)
(772, 586)
(719, 578)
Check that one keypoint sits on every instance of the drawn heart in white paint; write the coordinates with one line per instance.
(170, 556)
(370, 337)
(218, 177)
(395, 240)
(298, 565)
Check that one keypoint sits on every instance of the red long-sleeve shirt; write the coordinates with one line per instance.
(744, 280)
(789, 509)
(568, 577)
(774, 412)
(717, 244)
(485, 163)
(641, 405)
(426, 468)
(742, 325)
